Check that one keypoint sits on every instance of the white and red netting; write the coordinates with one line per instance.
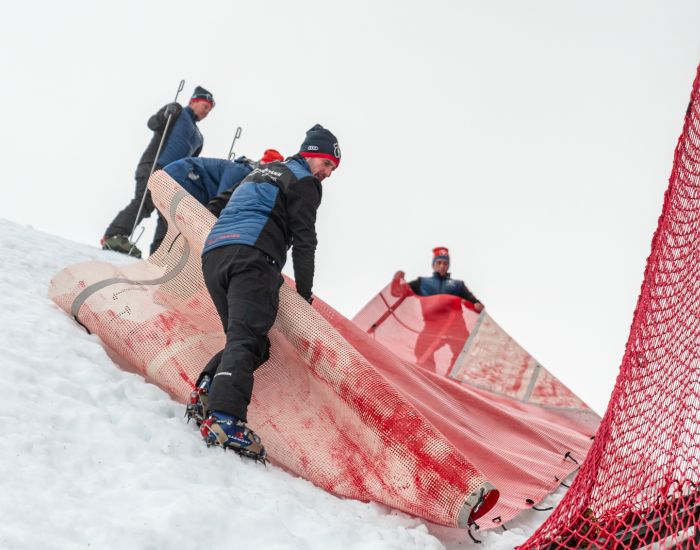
(332, 404)
(639, 485)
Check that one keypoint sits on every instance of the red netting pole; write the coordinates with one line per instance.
(639, 483)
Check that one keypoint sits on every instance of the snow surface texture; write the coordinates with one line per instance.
(92, 456)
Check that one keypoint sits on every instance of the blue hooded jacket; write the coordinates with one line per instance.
(205, 178)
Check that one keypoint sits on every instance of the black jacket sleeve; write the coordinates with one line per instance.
(158, 121)
(415, 286)
(467, 295)
(218, 203)
(303, 200)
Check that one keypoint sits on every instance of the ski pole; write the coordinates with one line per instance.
(155, 160)
(235, 137)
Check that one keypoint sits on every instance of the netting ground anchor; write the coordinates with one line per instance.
(570, 457)
(471, 536)
(560, 482)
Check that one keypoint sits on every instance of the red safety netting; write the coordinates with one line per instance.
(332, 404)
(639, 485)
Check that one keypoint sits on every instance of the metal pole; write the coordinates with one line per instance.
(235, 137)
(155, 160)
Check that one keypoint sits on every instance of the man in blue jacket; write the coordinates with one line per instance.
(271, 210)
(441, 282)
(183, 140)
(205, 178)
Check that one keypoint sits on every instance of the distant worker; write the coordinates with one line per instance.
(444, 325)
(441, 282)
(183, 140)
(205, 178)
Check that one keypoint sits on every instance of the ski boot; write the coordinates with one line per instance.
(197, 405)
(120, 243)
(231, 433)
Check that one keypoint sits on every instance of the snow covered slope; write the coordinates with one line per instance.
(92, 456)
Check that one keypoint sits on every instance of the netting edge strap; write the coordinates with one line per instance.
(99, 285)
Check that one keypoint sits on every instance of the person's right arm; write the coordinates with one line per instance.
(303, 200)
(158, 121)
(415, 286)
(218, 203)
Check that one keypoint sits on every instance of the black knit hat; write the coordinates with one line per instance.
(200, 94)
(321, 143)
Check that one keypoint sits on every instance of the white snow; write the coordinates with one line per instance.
(94, 457)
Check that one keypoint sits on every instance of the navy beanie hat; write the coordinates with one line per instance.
(200, 94)
(321, 143)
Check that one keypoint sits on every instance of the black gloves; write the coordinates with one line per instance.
(214, 208)
(217, 204)
(158, 121)
(172, 109)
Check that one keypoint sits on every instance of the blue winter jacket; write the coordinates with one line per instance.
(205, 178)
(273, 209)
(184, 139)
(430, 286)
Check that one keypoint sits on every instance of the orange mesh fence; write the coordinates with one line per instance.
(518, 424)
(639, 485)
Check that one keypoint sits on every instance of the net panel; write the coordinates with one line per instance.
(639, 485)
(518, 424)
(332, 404)
(443, 334)
(323, 411)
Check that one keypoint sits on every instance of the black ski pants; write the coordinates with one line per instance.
(124, 222)
(244, 285)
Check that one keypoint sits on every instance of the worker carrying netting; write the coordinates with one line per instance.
(332, 404)
(639, 485)
(444, 334)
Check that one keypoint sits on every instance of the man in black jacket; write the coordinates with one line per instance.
(271, 210)
(183, 140)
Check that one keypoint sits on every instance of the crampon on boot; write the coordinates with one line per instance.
(231, 433)
(197, 405)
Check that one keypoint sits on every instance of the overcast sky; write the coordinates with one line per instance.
(534, 139)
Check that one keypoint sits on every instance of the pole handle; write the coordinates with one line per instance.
(238, 133)
(179, 88)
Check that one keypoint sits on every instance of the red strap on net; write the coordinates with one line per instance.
(639, 483)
